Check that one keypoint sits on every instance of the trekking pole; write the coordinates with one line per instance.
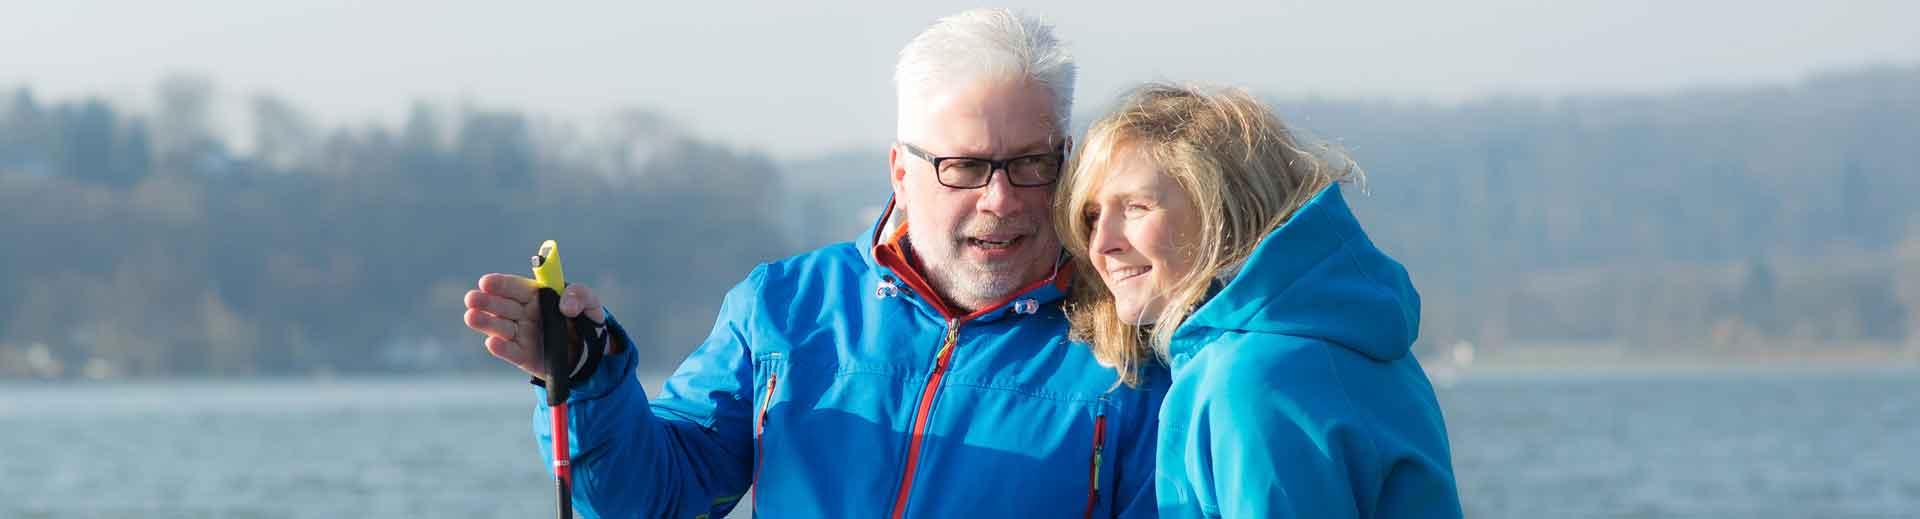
(556, 341)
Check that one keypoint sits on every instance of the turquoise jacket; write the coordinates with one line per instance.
(834, 385)
(1294, 393)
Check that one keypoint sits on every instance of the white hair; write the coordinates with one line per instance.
(986, 44)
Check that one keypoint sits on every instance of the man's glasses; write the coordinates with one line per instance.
(972, 172)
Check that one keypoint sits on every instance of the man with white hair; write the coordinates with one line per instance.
(922, 372)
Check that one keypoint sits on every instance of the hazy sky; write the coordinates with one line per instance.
(795, 78)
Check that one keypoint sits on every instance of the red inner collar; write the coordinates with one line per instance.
(893, 254)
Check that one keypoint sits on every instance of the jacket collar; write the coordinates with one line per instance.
(893, 261)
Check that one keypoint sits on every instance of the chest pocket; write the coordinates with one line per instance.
(767, 370)
(1100, 480)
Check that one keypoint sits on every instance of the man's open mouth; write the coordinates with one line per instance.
(995, 244)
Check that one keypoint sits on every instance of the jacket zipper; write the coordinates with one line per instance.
(760, 433)
(1099, 444)
(920, 415)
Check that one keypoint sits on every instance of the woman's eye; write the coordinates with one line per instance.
(1136, 209)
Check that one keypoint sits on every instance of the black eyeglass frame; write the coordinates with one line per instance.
(1059, 155)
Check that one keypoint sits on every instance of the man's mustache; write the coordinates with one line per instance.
(1000, 225)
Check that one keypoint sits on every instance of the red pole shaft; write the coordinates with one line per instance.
(562, 465)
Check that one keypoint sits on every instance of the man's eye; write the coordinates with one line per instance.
(1041, 162)
(966, 165)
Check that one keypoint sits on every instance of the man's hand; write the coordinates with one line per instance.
(507, 310)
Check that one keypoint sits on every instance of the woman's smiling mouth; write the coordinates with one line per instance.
(1125, 273)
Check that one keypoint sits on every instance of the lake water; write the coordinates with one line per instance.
(1750, 444)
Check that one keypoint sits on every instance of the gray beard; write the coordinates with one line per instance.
(965, 284)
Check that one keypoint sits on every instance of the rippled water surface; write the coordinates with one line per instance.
(1785, 444)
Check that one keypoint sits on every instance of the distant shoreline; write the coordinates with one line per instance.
(1525, 366)
(1622, 363)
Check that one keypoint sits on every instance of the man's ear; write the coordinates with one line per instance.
(897, 174)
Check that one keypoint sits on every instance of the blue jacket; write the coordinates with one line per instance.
(835, 385)
(1294, 394)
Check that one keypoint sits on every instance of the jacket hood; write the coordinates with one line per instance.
(1318, 276)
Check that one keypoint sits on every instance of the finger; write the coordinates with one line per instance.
(517, 354)
(500, 306)
(509, 286)
(493, 325)
(579, 297)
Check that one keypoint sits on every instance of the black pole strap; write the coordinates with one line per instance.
(588, 338)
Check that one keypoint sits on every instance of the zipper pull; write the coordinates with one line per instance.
(1099, 446)
(953, 336)
(766, 404)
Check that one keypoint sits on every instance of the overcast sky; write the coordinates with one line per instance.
(796, 79)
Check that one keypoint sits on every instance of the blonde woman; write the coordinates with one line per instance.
(1208, 240)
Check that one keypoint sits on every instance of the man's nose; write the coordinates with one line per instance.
(1000, 196)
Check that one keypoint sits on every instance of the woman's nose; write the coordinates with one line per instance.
(1106, 237)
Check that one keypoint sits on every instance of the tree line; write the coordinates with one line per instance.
(140, 243)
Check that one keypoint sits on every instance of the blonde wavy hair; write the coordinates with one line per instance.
(1237, 162)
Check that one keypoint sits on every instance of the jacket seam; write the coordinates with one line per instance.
(1042, 395)
(1365, 430)
(757, 280)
